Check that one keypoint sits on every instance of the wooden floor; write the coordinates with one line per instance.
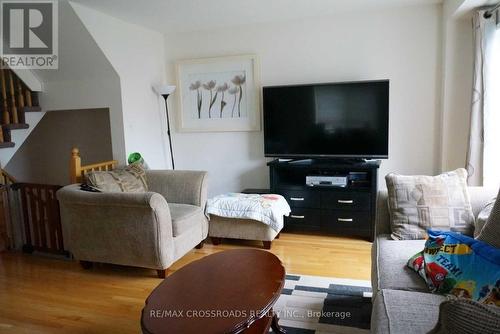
(46, 295)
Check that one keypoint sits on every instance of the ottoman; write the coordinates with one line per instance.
(246, 216)
(238, 228)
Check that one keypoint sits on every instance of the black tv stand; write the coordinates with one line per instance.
(348, 210)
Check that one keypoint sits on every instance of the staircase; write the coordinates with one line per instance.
(19, 108)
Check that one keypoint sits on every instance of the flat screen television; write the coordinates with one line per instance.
(331, 120)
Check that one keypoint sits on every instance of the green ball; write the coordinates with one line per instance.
(134, 157)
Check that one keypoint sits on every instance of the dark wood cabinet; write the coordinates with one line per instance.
(328, 209)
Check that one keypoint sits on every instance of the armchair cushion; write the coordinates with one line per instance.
(184, 217)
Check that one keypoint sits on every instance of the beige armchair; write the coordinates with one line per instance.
(151, 230)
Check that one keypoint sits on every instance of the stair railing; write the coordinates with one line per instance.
(6, 219)
(16, 99)
(77, 171)
(40, 218)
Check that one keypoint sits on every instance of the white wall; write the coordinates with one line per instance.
(137, 55)
(85, 79)
(403, 45)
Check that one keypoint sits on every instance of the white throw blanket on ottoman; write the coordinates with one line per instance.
(268, 209)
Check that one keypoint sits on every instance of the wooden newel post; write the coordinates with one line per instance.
(20, 95)
(13, 104)
(75, 165)
(27, 93)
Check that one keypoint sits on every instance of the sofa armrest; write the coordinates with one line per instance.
(465, 316)
(121, 228)
(179, 186)
(480, 196)
(382, 216)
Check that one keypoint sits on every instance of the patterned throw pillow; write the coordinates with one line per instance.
(417, 203)
(491, 230)
(130, 179)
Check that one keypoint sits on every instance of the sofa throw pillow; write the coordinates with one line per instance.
(455, 264)
(462, 316)
(419, 202)
(482, 217)
(131, 178)
(491, 230)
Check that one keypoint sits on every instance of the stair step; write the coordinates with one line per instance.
(31, 109)
(7, 144)
(16, 126)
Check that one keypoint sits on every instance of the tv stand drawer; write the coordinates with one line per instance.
(359, 201)
(301, 198)
(303, 219)
(334, 220)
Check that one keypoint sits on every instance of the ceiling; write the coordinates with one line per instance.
(195, 15)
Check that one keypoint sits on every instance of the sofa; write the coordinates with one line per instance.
(150, 229)
(402, 302)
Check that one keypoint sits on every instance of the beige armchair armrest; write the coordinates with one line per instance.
(179, 186)
(121, 228)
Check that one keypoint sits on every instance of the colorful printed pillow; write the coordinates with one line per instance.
(452, 263)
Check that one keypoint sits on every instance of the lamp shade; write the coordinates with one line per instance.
(164, 89)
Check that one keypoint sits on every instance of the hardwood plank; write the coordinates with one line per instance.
(52, 295)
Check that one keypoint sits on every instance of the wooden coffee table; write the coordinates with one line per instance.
(228, 292)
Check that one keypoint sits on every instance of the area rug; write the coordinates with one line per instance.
(323, 305)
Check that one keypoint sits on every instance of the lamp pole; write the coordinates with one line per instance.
(165, 96)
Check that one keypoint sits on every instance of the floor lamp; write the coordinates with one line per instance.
(165, 91)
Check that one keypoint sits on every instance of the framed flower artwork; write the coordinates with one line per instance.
(219, 94)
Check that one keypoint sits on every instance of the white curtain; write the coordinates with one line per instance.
(483, 155)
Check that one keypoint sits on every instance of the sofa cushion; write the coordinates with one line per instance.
(491, 230)
(389, 270)
(397, 311)
(419, 202)
(184, 217)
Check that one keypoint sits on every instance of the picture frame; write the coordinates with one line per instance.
(219, 94)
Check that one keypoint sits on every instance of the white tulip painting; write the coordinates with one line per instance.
(219, 94)
(210, 95)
